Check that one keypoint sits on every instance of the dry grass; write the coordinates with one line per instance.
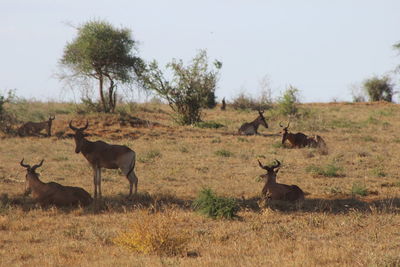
(333, 227)
(154, 234)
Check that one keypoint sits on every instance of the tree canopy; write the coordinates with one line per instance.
(105, 53)
(379, 89)
(190, 88)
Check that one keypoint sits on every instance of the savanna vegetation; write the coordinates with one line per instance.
(350, 216)
(199, 198)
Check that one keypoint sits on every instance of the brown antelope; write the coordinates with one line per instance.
(301, 140)
(53, 193)
(273, 190)
(316, 141)
(102, 155)
(223, 106)
(250, 128)
(296, 140)
(34, 128)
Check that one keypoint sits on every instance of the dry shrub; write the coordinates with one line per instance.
(156, 233)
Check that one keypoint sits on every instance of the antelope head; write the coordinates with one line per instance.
(271, 172)
(284, 132)
(79, 136)
(30, 171)
(50, 121)
(261, 118)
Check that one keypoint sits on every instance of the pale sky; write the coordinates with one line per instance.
(321, 47)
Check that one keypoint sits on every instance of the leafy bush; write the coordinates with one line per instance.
(287, 103)
(154, 234)
(211, 102)
(379, 89)
(211, 205)
(190, 90)
(88, 106)
(358, 93)
(242, 101)
(7, 119)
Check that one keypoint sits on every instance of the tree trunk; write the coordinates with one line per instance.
(111, 96)
(103, 101)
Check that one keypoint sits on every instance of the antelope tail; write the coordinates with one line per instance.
(133, 166)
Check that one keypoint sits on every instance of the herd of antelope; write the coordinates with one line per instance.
(273, 190)
(99, 155)
(102, 155)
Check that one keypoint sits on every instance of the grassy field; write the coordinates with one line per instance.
(350, 216)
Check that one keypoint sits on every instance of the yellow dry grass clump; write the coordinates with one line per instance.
(154, 234)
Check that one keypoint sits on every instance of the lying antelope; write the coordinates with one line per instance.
(250, 128)
(34, 128)
(102, 155)
(53, 193)
(273, 190)
(316, 141)
(301, 140)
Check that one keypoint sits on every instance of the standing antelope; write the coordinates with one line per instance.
(102, 155)
(34, 128)
(301, 140)
(273, 190)
(53, 193)
(250, 128)
(223, 106)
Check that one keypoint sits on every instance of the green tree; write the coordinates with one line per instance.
(189, 89)
(7, 119)
(287, 103)
(105, 53)
(379, 89)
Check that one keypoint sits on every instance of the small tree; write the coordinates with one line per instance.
(358, 93)
(211, 103)
(102, 52)
(287, 103)
(7, 118)
(379, 89)
(190, 88)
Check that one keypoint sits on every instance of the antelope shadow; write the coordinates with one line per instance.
(116, 203)
(321, 205)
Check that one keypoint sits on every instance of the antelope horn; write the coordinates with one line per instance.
(72, 127)
(37, 165)
(276, 165)
(280, 124)
(87, 125)
(261, 166)
(24, 165)
(288, 125)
